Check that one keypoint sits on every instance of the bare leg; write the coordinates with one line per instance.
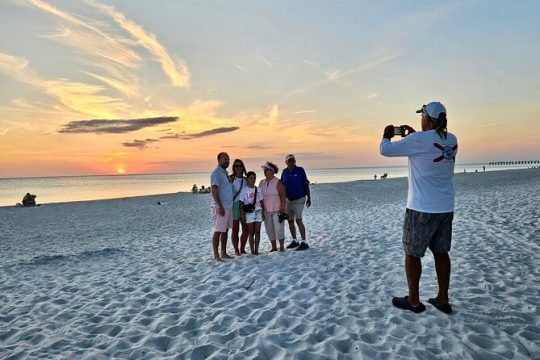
(251, 228)
(234, 236)
(243, 238)
(442, 267)
(292, 228)
(224, 254)
(257, 230)
(215, 245)
(282, 245)
(413, 269)
(274, 246)
(302, 229)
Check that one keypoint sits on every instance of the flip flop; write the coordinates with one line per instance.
(445, 308)
(403, 303)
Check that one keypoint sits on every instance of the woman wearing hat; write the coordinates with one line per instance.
(274, 200)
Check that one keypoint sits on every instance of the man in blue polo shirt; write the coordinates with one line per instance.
(297, 190)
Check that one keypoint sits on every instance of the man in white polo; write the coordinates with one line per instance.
(430, 203)
(222, 192)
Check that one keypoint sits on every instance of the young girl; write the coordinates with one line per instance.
(239, 183)
(252, 195)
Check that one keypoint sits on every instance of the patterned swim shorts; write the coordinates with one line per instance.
(421, 230)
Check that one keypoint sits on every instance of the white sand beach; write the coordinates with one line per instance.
(132, 279)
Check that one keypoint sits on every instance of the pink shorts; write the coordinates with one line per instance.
(222, 223)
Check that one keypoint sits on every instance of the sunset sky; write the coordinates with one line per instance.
(103, 87)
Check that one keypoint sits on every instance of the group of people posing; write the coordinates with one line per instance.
(240, 203)
(429, 214)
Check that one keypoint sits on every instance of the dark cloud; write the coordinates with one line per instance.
(184, 136)
(114, 126)
(141, 144)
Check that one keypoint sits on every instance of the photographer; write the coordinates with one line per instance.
(430, 203)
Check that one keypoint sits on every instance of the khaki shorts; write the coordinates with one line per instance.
(295, 208)
(222, 223)
(274, 229)
(422, 230)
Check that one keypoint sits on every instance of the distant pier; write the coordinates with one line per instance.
(519, 162)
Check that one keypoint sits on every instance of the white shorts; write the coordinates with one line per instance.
(274, 229)
(222, 223)
(255, 216)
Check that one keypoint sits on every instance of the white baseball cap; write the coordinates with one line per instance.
(433, 109)
(288, 157)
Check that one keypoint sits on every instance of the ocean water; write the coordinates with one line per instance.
(82, 188)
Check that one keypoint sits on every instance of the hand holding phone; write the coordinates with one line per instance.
(403, 130)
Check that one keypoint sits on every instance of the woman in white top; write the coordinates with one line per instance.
(239, 182)
(252, 196)
(274, 206)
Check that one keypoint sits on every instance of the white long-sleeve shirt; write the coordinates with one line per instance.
(431, 168)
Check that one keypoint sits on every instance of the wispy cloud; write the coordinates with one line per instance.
(109, 51)
(141, 144)
(115, 126)
(210, 132)
(176, 70)
(259, 147)
(240, 67)
(127, 87)
(273, 116)
(112, 47)
(85, 98)
(300, 112)
(336, 75)
(76, 96)
(17, 68)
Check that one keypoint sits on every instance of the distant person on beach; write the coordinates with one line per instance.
(194, 189)
(239, 181)
(222, 192)
(430, 203)
(274, 206)
(296, 184)
(29, 200)
(252, 211)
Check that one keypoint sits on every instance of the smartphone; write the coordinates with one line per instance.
(399, 131)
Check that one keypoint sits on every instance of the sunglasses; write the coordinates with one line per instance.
(239, 165)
